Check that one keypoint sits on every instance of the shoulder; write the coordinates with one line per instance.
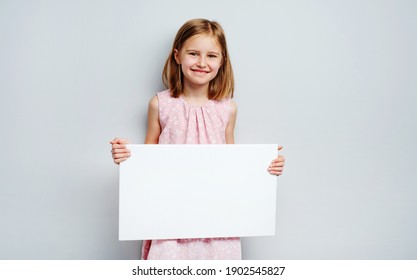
(227, 106)
(164, 94)
(159, 99)
(154, 103)
(233, 108)
(233, 105)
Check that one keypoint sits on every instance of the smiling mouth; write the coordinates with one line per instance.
(200, 71)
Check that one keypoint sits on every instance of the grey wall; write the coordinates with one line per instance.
(332, 81)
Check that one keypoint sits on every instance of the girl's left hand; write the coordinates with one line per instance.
(277, 165)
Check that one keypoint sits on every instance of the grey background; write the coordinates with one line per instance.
(332, 81)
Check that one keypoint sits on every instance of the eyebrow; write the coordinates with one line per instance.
(210, 52)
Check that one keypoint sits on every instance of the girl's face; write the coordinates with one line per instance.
(200, 58)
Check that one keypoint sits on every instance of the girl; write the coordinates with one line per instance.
(196, 109)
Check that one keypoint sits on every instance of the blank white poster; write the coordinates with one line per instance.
(197, 191)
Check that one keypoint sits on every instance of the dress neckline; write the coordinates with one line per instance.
(191, 105)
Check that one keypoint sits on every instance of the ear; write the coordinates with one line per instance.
(177, 56)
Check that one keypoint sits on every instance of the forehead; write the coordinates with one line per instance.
(202, 42)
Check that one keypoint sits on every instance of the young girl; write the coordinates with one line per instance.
(196, 109)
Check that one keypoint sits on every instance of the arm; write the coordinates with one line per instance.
(154, 128)
(230, 127)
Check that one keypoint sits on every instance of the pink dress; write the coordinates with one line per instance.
(182, 123)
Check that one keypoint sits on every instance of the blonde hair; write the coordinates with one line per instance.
(222, 85)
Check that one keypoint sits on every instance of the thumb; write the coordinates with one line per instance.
(119, 141)
(280, 148)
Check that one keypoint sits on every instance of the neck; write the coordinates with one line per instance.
(196, 92)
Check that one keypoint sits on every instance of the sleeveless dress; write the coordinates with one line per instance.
(182, 123)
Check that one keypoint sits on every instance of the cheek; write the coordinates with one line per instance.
(185, 67)
(216, 67)
(186, 63)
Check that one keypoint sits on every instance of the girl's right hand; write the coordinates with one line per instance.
(119, 151)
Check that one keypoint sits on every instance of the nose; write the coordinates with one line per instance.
(202, 62)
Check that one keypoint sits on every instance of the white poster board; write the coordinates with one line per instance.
(197, 191)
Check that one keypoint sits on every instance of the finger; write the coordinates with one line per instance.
(280, 148)
(276, 173)
(119, 160)
(118, 146)
(278, 160)
(276, 168)
(119, 141)
(277, 164)
(116, 151)
(121, 155)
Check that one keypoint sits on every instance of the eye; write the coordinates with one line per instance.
(193, 53)
(212, 56)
